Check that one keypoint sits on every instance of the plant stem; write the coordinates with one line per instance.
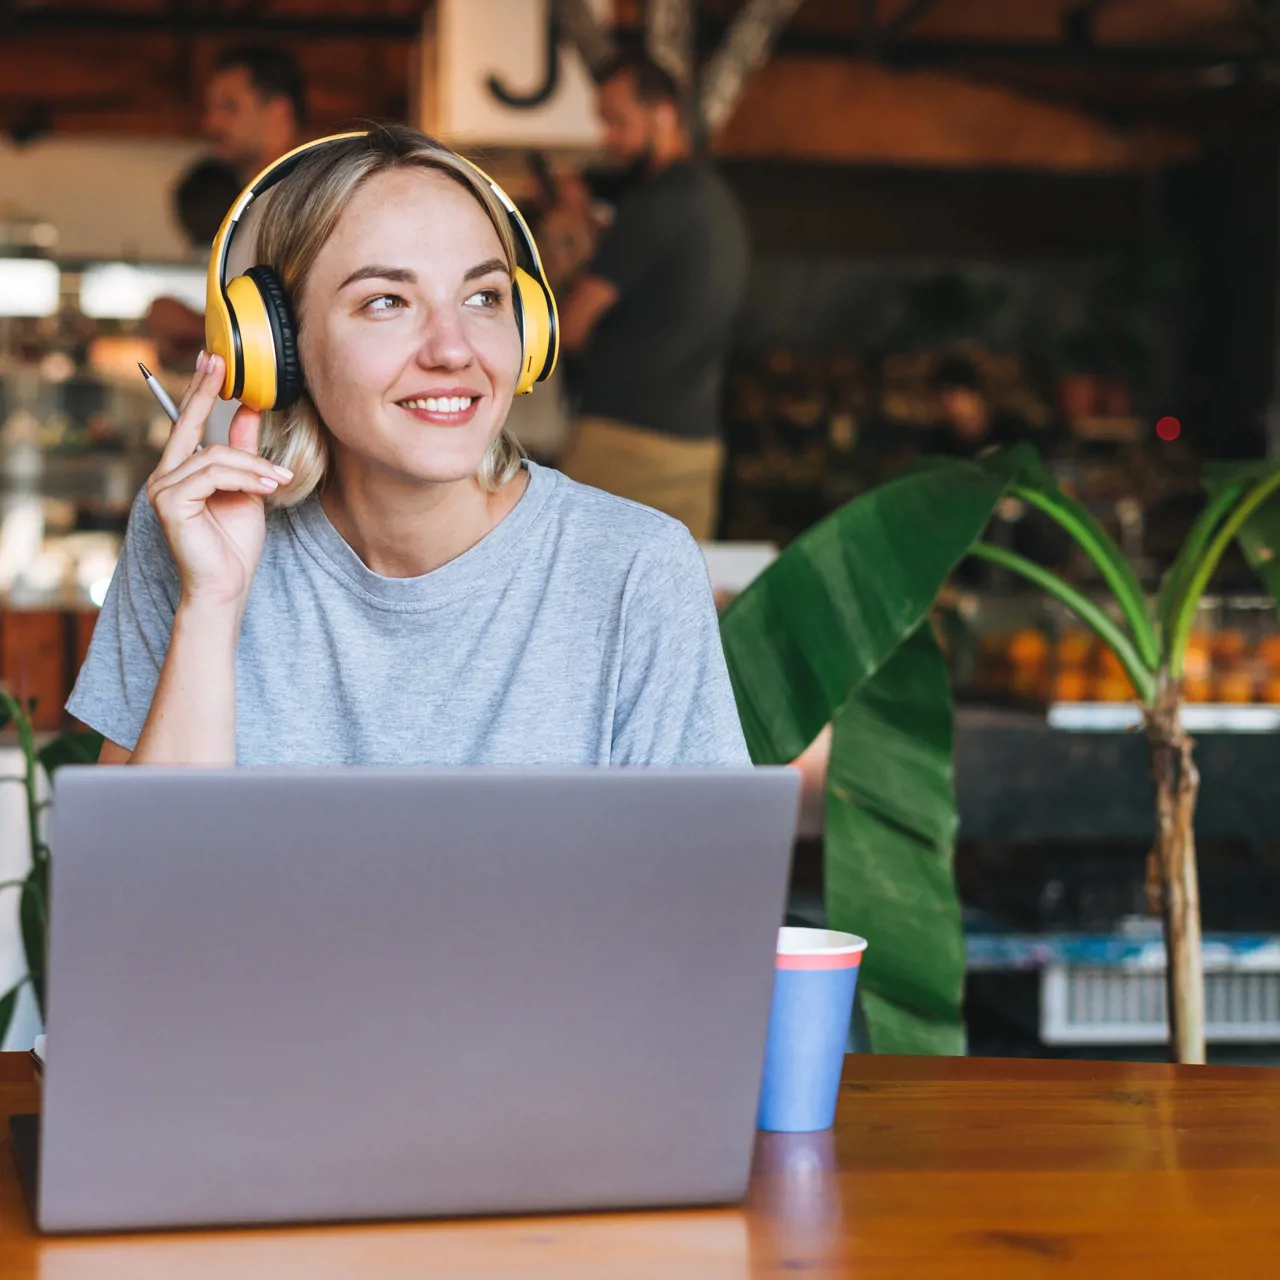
(1140, 675)
(1177, 786)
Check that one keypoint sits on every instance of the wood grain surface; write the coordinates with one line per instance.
(938, 1168)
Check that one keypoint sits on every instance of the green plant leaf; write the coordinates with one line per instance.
(841, 599)
(1259, 536)
(1032, 482)
(818, 639)
(889, 843)
(1140, 675)
(33, 917)
(79, 747)
(8, 1004)
(1201, 533)
(1183, 616)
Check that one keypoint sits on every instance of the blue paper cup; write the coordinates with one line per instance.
(813, 986)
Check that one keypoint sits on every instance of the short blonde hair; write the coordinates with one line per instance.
(298, 220)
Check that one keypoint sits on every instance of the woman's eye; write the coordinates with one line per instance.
(383, 303)
(486, 299)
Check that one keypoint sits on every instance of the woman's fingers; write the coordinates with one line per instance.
(186, 496)
(219, 455)
(245, 429)
(201, 361)
(189, 427)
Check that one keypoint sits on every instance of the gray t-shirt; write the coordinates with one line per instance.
(580, 631)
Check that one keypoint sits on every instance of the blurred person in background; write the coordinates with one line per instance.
(254, 112)
(201, 199)
(254, 109)
(969, 425)
(648, 316)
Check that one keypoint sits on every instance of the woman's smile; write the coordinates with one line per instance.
(448, 407)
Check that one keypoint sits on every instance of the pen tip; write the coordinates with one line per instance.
(146, 373)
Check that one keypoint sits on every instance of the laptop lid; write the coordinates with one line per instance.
(316, 994)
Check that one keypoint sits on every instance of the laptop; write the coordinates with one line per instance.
(342, 994)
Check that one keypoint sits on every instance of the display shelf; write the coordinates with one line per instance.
(1117, 717)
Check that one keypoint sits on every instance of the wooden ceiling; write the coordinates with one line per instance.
(1186, 68)
(136, 66)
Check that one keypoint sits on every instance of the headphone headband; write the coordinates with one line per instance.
(224, 331)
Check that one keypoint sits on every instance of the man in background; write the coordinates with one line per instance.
(254, 112)
(647, 322)
(255, 107)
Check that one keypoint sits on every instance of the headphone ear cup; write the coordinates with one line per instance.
(284, 335)
(535, 316)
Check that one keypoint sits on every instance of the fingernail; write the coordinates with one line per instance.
(200, 363)
(268, 482)
(284, 473)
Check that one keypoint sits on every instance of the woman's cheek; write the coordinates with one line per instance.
(500, 355)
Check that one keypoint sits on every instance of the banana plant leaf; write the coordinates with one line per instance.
(819, 638)
(1259, 538)
(890, 831)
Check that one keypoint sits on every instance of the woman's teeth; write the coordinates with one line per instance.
(440, 404)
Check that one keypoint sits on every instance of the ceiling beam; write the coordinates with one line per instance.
(745, 48)
(591, 37)
(961, 54)
(250, 22)
(897, 26)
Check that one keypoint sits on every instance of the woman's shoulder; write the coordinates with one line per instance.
(612, 525)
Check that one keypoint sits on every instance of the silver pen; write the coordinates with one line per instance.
(159, 392)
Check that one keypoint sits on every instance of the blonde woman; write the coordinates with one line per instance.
(376, 575)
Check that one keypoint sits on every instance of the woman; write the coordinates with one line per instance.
(386, 580)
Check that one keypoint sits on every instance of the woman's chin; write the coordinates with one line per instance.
(443, 465)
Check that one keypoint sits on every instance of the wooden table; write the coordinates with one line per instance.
(937, 1168)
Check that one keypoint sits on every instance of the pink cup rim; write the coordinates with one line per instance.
(818, 949)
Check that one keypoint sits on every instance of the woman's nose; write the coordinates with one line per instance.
(444, 342)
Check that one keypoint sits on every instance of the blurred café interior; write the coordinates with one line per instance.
(1056, 222)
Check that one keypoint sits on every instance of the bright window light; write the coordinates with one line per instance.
(118, 291)
(28, 287)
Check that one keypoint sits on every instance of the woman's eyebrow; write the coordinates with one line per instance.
(401, 275)
(484, 269)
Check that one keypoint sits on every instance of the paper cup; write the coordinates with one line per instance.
(813, 988)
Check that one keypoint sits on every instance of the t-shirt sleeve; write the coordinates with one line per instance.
(118, 680)
(637, 239)
(675, 704)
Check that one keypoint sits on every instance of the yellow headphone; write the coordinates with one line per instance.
(249, 322)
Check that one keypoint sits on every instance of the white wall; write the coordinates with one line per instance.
(507, 38)
(108, 197)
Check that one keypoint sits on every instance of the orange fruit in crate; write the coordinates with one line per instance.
(1108, 663)
(1113, 688)
(1229, 644)
(1199, 657)
(1234, 686)
(1271, 690)
(1074, 649)
(1071, 685)
(1197, 688)
(1028, 648)
(1269, 653)
(1030, 682)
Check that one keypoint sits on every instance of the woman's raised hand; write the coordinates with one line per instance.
(210, 502)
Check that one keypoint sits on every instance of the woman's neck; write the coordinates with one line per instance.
(403, 530)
